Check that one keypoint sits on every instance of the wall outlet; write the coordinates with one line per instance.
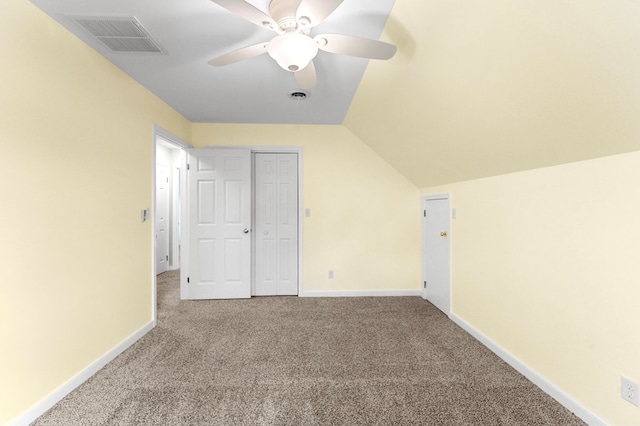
(629, 390)
(331, 274)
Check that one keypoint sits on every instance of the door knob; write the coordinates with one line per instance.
(245, 230)
(443, 234)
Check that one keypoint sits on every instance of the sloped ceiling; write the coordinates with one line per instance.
(481, 88)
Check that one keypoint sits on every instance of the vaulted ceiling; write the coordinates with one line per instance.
(477, 88)
(481, 88)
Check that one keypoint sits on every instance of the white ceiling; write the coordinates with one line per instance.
(256, 90)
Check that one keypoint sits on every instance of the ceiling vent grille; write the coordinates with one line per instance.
(120, 34)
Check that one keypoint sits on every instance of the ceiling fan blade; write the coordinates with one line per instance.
(316, 11)
(239, 55)
(355, 46)
(306, 77)
(248, 12)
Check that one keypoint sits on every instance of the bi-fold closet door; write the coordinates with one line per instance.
(275, 224)
(228, 216)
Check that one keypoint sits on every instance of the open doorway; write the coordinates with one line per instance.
(169, 171)
(167, 217)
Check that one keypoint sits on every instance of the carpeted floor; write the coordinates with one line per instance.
(305, 361)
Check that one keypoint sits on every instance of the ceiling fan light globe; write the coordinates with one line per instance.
(292, 51)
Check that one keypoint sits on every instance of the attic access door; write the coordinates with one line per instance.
(219, 221)
(437, 251)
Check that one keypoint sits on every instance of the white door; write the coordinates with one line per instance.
(276, 224)
(219, 220)
(162, 218)
(176, 213)
(436, 246)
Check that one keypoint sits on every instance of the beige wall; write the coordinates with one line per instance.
(545, 263)
(365, 222)
(75, 171)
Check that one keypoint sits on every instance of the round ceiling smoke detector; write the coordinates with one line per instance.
(298, 95)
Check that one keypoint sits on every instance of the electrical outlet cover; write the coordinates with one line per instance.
(629, 391)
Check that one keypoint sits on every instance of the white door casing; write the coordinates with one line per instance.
(276, 224)
(437, 252)
(219, 220)
(161, 222)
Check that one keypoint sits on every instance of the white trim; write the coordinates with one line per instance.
(443, 196)
(536, 378)
(362, 293)
(169, 137)
(54, 397)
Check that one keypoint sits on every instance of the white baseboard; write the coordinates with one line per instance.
(535, 377)
(361, 293)
(50, 400)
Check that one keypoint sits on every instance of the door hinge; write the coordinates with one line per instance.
(187, 280)
(424, 213)
(425, 284)
(188, 166)
(167, 257)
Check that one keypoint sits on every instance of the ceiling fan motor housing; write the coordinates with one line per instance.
(284, 13)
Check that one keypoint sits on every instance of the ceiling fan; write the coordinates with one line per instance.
(293, 48)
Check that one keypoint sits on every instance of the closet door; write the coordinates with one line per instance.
(276, 224)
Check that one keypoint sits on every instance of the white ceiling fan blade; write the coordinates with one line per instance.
(355, 46)
(239, 55)
(316, 11)
(306, 77)
(248, 12)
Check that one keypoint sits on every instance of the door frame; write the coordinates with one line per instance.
(167, 137)
(259, 150)
(276, 150)
(425, 199)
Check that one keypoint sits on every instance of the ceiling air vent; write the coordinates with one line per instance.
(120, 34)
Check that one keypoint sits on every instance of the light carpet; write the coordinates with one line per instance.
(305, 361)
